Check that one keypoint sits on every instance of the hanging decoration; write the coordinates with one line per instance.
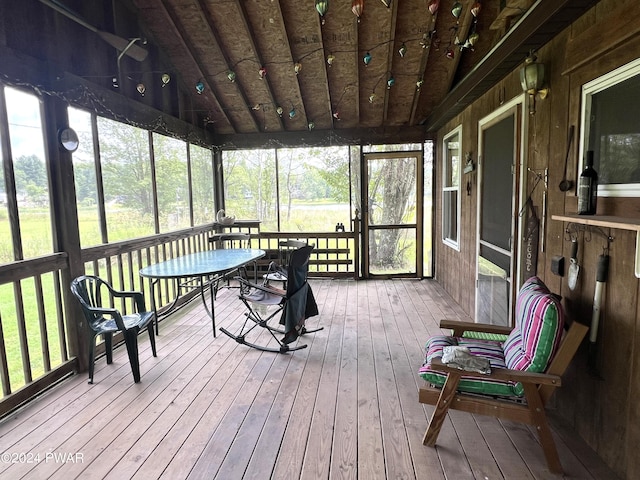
(433, 6)
(387, 3)
(262, 72)
(473, 36)
(330, 58)
(166, 78)
(231, 75)
(419, 84)
(450, 54)
(356, 8)
(322, 6)
(336, 115)
(456, 10)
(200, 87)
(297, 67)
(141, 89)
(402, 50)
(391, 82)
(367, 58)
(475, 9)
(279, 110)
(292, 112)
(311, 125)
(372, 97)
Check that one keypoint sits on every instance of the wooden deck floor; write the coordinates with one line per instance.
(345, 407)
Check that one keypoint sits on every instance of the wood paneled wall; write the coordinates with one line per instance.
(601, 402)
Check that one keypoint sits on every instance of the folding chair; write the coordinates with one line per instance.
(295, 305)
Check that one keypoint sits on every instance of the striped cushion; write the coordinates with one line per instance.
(491, 350)
(538, 329)
(529, 347)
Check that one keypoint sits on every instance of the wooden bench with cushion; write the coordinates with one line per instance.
(525, 368)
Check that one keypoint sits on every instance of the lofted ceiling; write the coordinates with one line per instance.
(440, 70)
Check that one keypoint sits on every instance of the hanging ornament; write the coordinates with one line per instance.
(199, 87)
(330, 58)
(475, 9)
(387, 3)
(419, 83)
(403, 50)
(256, 107)
(322, 6)
(166, 78)
(456, 10)
(262, 72)
(336, 115)
(433, 6)
(356, 8)
(372, 97)
(450, 53)
(279, 110)
(141, 89)
(292, 112)
(231, 75)
(311, 125)
(114, 82)
(297, 67)
(367, 58)
(473, 39)
(391, 82)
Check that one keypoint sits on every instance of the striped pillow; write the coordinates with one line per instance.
(538, 329)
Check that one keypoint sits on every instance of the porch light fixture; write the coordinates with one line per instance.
(532, 80)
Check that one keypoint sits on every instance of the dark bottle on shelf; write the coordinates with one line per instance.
(588, 188)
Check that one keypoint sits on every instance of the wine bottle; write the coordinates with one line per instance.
(588, 188)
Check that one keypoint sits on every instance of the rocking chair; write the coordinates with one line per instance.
(295, 305)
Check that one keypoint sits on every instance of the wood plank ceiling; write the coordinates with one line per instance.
(224, 44)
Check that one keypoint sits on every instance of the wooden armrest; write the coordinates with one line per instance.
(460, 327)
(503, 374)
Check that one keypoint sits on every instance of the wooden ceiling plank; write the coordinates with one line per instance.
(202, 5)
(178, 34)
(256, 51)
(304, 34)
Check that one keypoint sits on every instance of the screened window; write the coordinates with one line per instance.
(31, 177)
(314, 188)
(451, 149)
(612, 130)
(127, 180)
(171, 182)
(250, 186)
(202, 185)
(84, 172)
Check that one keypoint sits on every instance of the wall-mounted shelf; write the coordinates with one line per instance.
(622, 223)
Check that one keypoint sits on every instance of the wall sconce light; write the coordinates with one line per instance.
(532, 80)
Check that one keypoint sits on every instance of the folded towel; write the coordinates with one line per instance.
(460, 357)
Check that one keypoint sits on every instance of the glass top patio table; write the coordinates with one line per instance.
(205, 268)
(201, 264)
